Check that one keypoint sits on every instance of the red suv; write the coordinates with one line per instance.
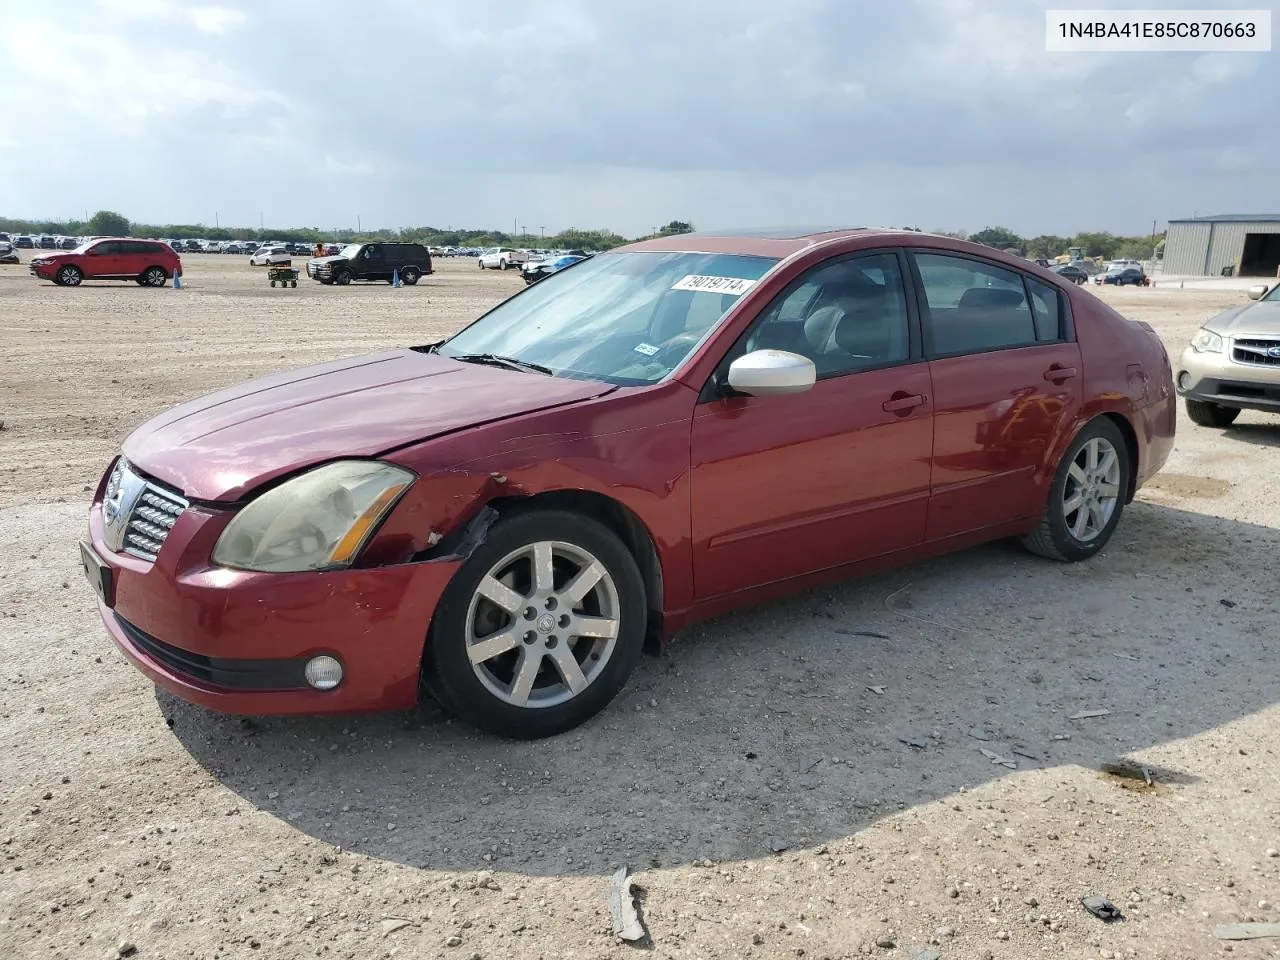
(149, 263)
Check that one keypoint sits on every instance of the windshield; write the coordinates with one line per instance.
(624, 318)
(350, 250)
(1274, 294)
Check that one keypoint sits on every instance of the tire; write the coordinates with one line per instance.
(506, 264)
(409, 275)
(480, 264)
(293, 283)
(487, 694)
(155, 276)
(1206, 414)
(1062, 534)
(273, 283)
(69, 276)
(342, 277)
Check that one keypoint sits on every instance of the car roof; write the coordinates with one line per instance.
(770, 242)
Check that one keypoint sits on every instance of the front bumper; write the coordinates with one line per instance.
(235, 641)
(45, 271)
(1217, 378)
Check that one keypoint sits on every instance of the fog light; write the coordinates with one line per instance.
(323, 673)
(1184, 379)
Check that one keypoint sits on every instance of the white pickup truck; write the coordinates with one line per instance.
(502, 258)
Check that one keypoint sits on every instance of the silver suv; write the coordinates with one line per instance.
(1233, 362)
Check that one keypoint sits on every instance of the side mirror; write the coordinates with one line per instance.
(1258, 292)
(766, 373)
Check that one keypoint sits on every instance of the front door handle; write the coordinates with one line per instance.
(1058, 374)
(903, 403)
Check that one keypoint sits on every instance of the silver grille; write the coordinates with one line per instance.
(137, 513)
(1256, 351)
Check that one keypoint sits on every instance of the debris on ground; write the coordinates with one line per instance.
(778, 846)
(1227, 603)
(1130, 775)
(1126, 656)
(1089, 714)
(997, 759)
(923, 953)
(1246, 931)
(916, 742)
(622, 908)
(1102, 908)
(978, 733)
(846, 632)
(878, 691)
(391, 924)
(1023, 752)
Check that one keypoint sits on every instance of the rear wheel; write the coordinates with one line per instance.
(69, 276)
(342, 277)
(409, 275)
(1208, 414)
(540, 628)
(1086, 497)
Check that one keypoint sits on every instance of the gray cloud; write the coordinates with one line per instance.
(935, 112)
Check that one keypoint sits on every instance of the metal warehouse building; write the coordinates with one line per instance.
(1247, 243)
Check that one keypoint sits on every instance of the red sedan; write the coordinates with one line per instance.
(658, 434)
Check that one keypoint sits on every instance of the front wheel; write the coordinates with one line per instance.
(69, 276)
(540, 628)
(1086, 497)
(1207, 414)
(342, 277)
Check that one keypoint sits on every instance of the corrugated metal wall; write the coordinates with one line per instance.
(1228, 243)
(1184, 248)
(1187, 244)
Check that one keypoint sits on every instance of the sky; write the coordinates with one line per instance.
(620, 115)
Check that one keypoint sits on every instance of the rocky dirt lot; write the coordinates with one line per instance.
(801, 780)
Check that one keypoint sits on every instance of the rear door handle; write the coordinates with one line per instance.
(903, 404)
(1058, 374)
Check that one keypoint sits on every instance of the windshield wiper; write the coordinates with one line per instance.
(511, 363)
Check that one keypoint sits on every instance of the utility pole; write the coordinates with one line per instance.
(260, 225)
(359, 228)
(216, 224)
(543, 231)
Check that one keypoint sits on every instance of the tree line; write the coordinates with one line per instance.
(1109, 246)
(108, 223)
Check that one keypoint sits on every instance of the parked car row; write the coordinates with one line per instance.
(43, 241)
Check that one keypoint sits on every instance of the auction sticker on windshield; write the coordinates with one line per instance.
(701, 284)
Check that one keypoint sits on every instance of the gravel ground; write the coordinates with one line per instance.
(800, 780)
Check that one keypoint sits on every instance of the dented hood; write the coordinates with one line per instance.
(220, 447)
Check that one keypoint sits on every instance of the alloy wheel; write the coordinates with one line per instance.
(542, 624)
(1092, 490)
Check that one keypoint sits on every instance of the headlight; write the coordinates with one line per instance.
(1206, 341)
(317, 521)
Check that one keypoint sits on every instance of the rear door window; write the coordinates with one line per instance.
(973, 306)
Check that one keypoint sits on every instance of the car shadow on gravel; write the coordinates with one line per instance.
(1260, 434)
(806, 720)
